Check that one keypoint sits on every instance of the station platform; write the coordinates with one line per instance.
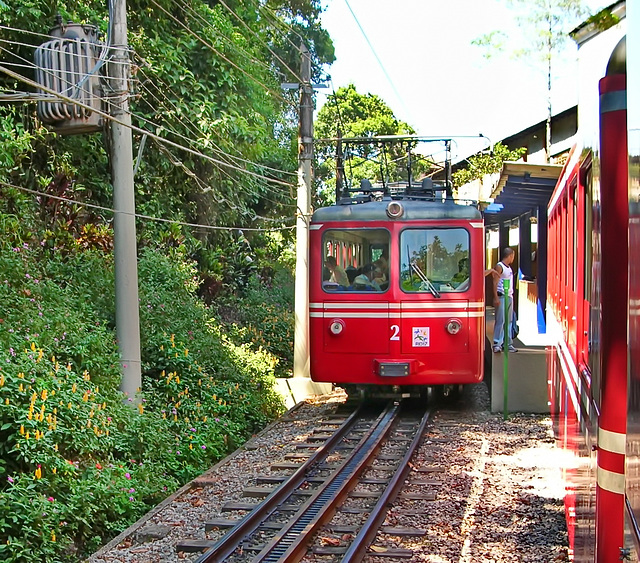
(526, 370)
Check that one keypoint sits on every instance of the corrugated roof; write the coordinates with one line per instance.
(522, 187)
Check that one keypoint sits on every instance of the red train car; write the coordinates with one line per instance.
(587, 312)
(410, 311)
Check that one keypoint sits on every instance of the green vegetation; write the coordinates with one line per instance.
(361, 115)
(78, 464)
(480, 165)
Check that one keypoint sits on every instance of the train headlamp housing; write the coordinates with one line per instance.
(395, 210)
(454, 326)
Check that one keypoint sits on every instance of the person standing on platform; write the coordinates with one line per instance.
(500, 301)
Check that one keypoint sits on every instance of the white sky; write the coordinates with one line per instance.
(446, 87)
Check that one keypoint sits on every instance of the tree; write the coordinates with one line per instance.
(480, 165)
(206, 75)
(361, 115)
(545, 24)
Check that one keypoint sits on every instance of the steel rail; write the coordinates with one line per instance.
(358, 548)
(290, 544)
(251, 522)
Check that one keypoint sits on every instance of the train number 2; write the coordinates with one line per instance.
(396, 332)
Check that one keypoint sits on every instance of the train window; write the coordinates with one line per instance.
(355, 260)
(434, 260)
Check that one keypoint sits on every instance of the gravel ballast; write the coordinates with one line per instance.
(498, 490)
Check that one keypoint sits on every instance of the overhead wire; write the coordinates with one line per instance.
(293, 73)
(227, 40)
(196, 130)
(147, 217)
(54, 96)
(226, 156)
(139, 130)
(212, 48)
(218, 150)
(384, 70)
(155, 125)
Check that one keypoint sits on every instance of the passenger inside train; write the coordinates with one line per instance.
(366, 281)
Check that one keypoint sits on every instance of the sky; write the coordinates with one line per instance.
(435, 79)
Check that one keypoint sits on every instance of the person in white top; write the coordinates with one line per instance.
(503, 268)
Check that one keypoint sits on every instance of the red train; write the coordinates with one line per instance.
(593, 292)
(397, 291)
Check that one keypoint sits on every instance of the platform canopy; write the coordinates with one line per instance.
(522, 188)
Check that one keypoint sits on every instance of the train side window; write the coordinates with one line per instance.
(355, 260)
(435, 260)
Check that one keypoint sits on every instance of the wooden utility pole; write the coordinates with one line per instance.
(125, 249)
(305, 154)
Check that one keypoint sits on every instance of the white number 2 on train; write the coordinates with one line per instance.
(396, 332)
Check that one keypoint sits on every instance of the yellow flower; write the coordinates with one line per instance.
(55, 447)
(186, 351)
(140, 408)
(33, 346)
(1, 379)
(69, 406)
(26, 436)
(38, 473)
(73, 388)
(53, 536)
(68, 366)
(44, 394)
(6, 401)
(54, 470)
(22, 429)
(40, 354)
(21, 387)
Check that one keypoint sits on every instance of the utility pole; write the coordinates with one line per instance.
(305, 154)
(125, 249)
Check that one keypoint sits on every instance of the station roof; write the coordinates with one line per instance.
(522, 188)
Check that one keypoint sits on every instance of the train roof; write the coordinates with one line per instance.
(413, 210)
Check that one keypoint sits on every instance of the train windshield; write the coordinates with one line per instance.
(434, 260)
(355, 260)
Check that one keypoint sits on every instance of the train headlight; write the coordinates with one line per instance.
(336, 327)
(395, 210)
(454, 326)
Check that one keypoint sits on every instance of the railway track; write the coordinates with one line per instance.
(330, 474)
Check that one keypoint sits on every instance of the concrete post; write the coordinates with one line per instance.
(125, 250)
(305, 152)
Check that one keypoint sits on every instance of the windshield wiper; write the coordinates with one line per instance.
(430, 287)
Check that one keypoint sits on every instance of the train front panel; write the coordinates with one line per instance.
(415, 318)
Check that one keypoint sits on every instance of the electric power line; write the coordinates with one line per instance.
(32, 65)
(139, 130)
(147, 217)
(212, 48)
(384, 70)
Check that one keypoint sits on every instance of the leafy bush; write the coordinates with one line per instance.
(262, 317)
(77, 464)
